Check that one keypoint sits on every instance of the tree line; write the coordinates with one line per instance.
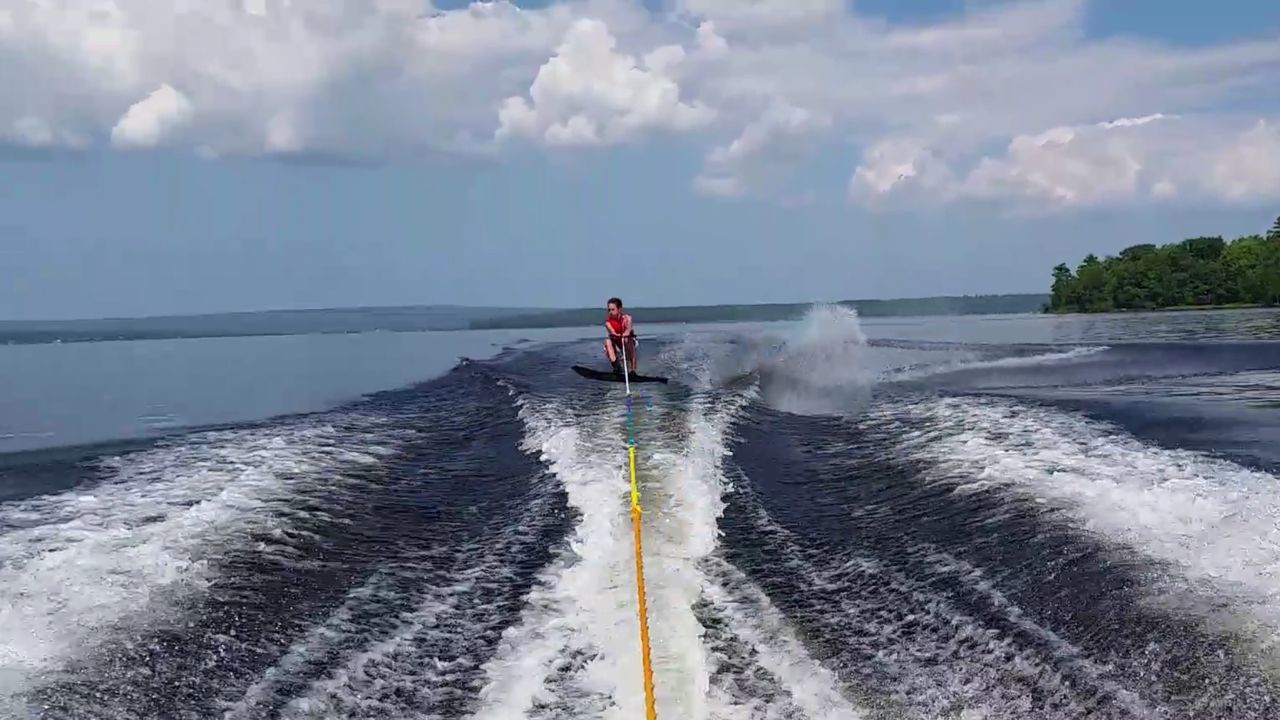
(1197, 272)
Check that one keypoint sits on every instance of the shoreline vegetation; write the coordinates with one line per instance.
(1200, 273)
(451, 318)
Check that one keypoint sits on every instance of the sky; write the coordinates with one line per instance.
(190, 156)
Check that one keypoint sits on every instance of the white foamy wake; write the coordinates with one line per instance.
(682, 501)
(85, 561)
(929, 656)
(383, 660)
(575, 650)
(570, 644)
(1215, 520)
(403, 668)
(809, 686)
(333, 635)
(1048, 358)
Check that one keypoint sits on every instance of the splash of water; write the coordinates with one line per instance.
(820, 367)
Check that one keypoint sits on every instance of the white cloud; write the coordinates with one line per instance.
(922, 105)
(588, 93)
(1248, 167)
(1009, 102)
(1131, 122)
(998, 29)
(895, 164)
(766, 14)
(33, 132)
(764, 150)
(709, 41)
(1155, 157)
(1064, 165)
(150, 120)
(361, 77)
(283, 134)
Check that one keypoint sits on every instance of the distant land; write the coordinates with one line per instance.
(946, 305)
(454, 317)
(262, 322)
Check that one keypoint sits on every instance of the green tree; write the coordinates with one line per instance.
(1091, 279)
(1268, 275)
(1205, 249)
(1063, 287)
(1241, 267)
(1204, 270)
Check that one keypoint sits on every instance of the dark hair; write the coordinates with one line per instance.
(615, 301)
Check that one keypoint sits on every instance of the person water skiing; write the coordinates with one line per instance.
(618, 326)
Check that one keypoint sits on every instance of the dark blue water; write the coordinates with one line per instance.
(835, 527)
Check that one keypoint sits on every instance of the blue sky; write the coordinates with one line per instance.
(561, 154)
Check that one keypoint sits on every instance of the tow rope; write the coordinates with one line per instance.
(650, 711)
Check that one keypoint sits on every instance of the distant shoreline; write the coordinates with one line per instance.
(1169, 309)
(337, 321)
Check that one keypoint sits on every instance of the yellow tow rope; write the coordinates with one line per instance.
(651, 712)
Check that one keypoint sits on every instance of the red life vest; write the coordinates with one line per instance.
(616, 324)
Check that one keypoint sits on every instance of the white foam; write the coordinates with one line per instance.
(1216, 520)
(583, 602)
(1048, 358)
(79, 563)
(755, 621)
(682, 500)
(576, 646)
(935, 657)
(400, 665)
(318, 640)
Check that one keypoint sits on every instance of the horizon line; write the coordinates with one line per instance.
(496, 308)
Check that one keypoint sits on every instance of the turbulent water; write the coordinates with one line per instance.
(834, 527)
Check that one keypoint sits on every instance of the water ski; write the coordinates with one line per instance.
(610, 376)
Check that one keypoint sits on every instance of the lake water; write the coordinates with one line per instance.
(964, 517)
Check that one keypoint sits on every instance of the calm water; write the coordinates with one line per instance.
(74, 393)
(977, 517)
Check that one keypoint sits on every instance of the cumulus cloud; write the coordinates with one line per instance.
(1153, 158)
(921, 106)
(1065, 165)
(762, 152)
(150, 120)
(33, 132)
(897, 164)
(709, 41)
(588, 93)
(369, 78)
(1248, 166)
(1009, 102)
